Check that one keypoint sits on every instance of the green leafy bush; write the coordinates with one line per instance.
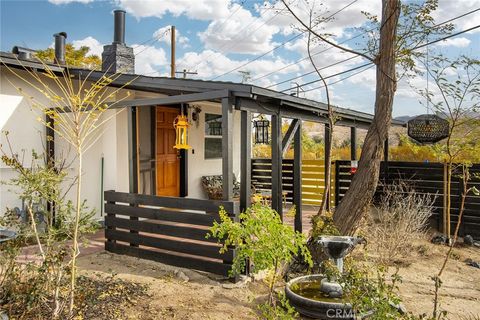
(261, 238)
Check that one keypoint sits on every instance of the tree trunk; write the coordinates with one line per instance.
(362, 188)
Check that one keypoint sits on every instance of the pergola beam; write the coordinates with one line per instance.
(353, 143)
(277, 190)
(297, 177)
(246, 159)
(287, 140)
(163, 101)
(227, 148)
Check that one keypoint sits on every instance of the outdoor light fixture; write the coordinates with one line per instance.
(181, 129)
(428, 128)
(261, 131)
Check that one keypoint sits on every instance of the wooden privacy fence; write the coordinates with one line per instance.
(426, 178)
(167, 229)
(313, 175)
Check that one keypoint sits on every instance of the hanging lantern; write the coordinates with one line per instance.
(353, 166)
(428, 128)
(181, 129)
(261, 131)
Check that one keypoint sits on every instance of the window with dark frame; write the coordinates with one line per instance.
(213, 136)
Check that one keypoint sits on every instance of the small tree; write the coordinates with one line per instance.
(261, 238)
(456, 97)
(75, 57)
(75, 110)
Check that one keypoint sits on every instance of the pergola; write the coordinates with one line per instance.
(247, 99)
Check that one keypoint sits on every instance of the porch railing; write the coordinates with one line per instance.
(167, 229)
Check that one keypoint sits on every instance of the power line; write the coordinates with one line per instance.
(311, 72)
(306, 58)
(370, 63)
(333, 75)
(282, 44)
(415, 48)
(157, 38)
(341, 79)
(445, 38)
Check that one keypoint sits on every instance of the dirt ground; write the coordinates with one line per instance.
(204, 296)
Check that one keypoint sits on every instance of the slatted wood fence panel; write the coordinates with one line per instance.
(313, 175)
(426, 178)
(167, 229)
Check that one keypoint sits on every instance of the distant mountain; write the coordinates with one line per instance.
(403, 118)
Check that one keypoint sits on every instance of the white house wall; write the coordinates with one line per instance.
(198, 166)
(27, 133)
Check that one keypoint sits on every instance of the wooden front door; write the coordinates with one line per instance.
(167, 159)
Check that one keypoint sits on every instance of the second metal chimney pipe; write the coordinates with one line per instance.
(60, 47)
(119, 23)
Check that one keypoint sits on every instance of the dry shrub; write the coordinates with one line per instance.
(397, 221)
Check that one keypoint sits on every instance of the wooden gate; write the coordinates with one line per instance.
(313, 175)
(169, 230)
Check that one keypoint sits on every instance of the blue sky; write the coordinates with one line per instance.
(215, 37)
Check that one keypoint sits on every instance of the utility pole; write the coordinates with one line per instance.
(185, 72)
(172, 57)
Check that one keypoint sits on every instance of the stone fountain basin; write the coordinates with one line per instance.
(6, 235)
(322, 308)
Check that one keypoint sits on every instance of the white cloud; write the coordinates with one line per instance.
(163, 35)
(242, 32)
(448, 9)
(210, 63)
(200, 9)
(455, 42)
(57, 2)
(95, 46)
(150, 60)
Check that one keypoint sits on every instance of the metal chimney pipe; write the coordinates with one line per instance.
(60, 47)
(119, 23)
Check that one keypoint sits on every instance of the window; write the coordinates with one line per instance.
(213, 136)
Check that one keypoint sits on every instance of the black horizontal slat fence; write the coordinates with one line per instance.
(425, 178)
(167, 229)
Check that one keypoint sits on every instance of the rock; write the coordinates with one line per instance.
(472, 263)
(440, 239)
(181, 276)
(240, 284)
(399, 307)
(332, 289)
(468, 240)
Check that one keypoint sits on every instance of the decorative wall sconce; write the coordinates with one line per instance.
(181, 130)
(261, 131)
(196, 110)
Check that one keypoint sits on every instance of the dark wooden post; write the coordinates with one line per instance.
(277, 190)
(132, 149)
(153, 150)
(246, 160)
(133, 156)
(328, 142)
(50, 145)
(297, 177)
(353, 143)
(227, 148)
